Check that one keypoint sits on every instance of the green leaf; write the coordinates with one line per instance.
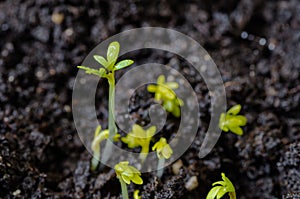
(102, 72)
(101, 60)
(213, 192)
(113, 52)
(176, 111)
(97, 131)
(221, 193)
(237, 130)
(161, 79)
(89, 70)
(222, 183)
(168, 105)
(123, 64)
(151, 88)
(125, 178)
(235, 109)
(138, 131)
(230, 187)
(242, 120)
(172, 85)
(137, 179)
(151, 131)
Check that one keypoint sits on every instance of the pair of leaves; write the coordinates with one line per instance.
(232, 121)
(109, 63)
(163, 149)
(164, 91)
(221, 188)
(128, 173)
(139, 137)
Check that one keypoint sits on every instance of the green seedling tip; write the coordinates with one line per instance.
(163, 149)
(221, 188)
(231, 121)
(127, 174)
(136, 194)
(139, 137)
(164, 92)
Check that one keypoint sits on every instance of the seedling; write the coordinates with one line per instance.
(232, 121)
(99, 136)
(164, 93)
(221, 189)
(108, 72)
(140, 137)
(136, 194)
(126, 174)
(163, 151)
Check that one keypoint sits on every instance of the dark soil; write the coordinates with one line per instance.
(255, 45)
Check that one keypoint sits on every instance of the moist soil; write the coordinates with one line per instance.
(255, 45)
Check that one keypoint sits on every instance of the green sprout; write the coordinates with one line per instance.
(99, 136)
(108, 71)
(232, 121)
(164, 93)
(136, 194)
(139, 137)
(221, 189)
(126, 174)
(163, 151)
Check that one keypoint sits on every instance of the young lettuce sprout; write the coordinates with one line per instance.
(164, 92)
(99, 136)
(163, 151)
(108, 72)
(136, 194)
(140, 137)
(126, 174)
(232, 121)
(221, 189)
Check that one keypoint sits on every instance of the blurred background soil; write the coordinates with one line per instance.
(254, 43)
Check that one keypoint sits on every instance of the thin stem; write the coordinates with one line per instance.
(160, 167)
(95, 161)
(111, 122)
(144, 154)
(232, 195)
(124, 189)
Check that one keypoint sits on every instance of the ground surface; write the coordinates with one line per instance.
(255, 45)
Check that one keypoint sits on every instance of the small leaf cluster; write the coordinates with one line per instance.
(139, 137)
(109, 64)
(163, 149)
(128, 173)
(164, 92)
(221, 188)
(232, 121)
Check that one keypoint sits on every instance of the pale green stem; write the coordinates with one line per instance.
(144, 154)
(111, 122)
(161, 163)
(232, 195)
(95, 160)
(124, 189)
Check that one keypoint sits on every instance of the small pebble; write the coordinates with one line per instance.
(271, 46)
(244, 35)
(262, 41)
(192, 183)
(57, 18)
(17, 192)
(176, 166)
